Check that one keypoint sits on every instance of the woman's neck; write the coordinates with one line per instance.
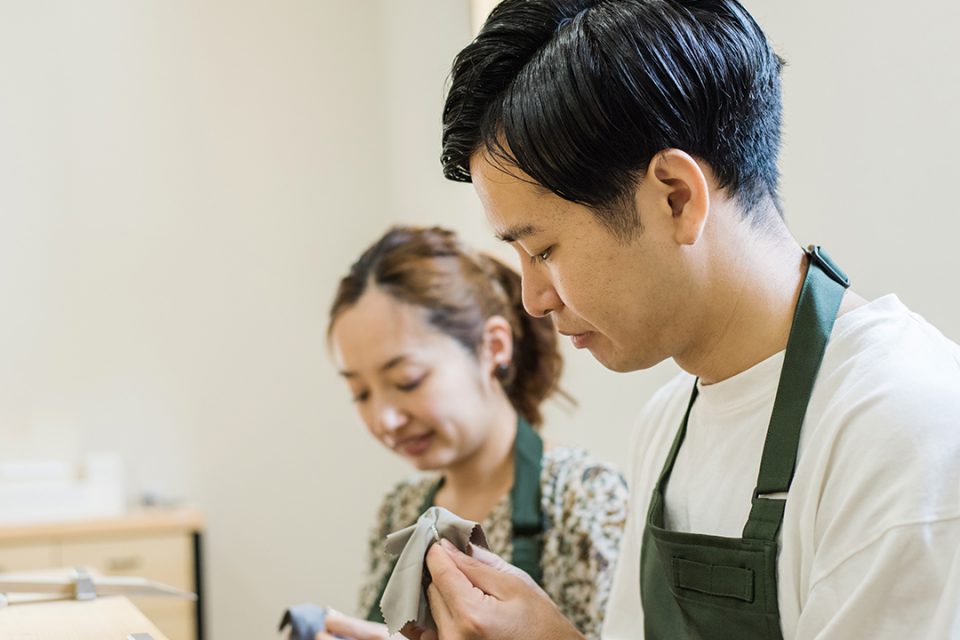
(474, 485)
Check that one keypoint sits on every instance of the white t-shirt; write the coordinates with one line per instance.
(870, 542)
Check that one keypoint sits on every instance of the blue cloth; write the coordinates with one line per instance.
(305, 621)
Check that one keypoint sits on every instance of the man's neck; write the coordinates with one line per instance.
(751, 307)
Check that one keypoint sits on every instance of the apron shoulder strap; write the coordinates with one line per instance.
(813, 322)
(527, 516)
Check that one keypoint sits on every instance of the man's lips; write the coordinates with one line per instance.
(580, 339)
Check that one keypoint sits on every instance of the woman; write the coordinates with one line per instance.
(448, 370)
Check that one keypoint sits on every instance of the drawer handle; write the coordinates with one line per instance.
(123, 563)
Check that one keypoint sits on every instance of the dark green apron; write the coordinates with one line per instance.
(526, 516)
(713, 588)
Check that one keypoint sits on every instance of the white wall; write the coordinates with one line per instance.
(181, 183)
(872, 91)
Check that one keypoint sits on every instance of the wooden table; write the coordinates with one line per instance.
(110, 618)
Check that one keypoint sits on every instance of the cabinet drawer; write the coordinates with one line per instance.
(28, 557)
(164, 558)
(167, 559)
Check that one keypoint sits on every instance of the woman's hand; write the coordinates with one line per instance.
(340, 625)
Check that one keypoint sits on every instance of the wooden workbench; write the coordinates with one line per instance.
(101, 619)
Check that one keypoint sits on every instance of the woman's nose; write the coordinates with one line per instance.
(390, 417)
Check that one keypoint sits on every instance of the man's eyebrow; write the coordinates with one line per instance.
(389, 365)
(518, 232)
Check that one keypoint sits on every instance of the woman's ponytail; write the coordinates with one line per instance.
(534, 373)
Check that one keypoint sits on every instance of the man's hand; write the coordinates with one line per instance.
(484, 598)
(339, 625)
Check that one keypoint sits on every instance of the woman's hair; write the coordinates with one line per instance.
(459, 290)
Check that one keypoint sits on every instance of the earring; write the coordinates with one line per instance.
(502, 370)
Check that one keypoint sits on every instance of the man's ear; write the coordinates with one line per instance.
(683, 187)
(496, 351)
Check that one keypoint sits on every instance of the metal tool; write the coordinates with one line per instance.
(83, 586)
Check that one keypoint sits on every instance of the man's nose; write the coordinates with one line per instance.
(539, 296)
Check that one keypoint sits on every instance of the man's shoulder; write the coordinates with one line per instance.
(888, 365)
(885, 413)
(887, 337)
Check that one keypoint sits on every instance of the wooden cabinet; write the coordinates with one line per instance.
(158, 545)
(27, 557)
(166, 558)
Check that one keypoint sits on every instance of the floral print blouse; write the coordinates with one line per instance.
(584, 504)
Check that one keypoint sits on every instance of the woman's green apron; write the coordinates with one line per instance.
(526, 516)
(714, 588)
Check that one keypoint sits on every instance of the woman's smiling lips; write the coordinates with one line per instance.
(415, 445)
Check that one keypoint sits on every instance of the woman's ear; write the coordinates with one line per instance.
(683, 187)
(496, 351)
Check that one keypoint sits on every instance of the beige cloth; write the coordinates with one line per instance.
(405, 597)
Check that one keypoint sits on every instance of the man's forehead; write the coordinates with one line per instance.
(516, 206)
(492, 170)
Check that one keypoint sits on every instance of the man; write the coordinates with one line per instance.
(802, 478)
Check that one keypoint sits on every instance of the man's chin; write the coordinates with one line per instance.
(606, 357)
(619, 362)
(616, 366)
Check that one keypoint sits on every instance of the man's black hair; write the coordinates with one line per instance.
(581, 95)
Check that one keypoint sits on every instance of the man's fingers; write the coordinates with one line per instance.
(449, 580)
(492, 560)
(484, 577)
(487, 557)
(439, 608)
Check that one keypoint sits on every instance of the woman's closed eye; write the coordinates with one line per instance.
(411, 385)
(406, 386)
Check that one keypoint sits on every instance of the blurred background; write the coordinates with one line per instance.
(183, 182)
